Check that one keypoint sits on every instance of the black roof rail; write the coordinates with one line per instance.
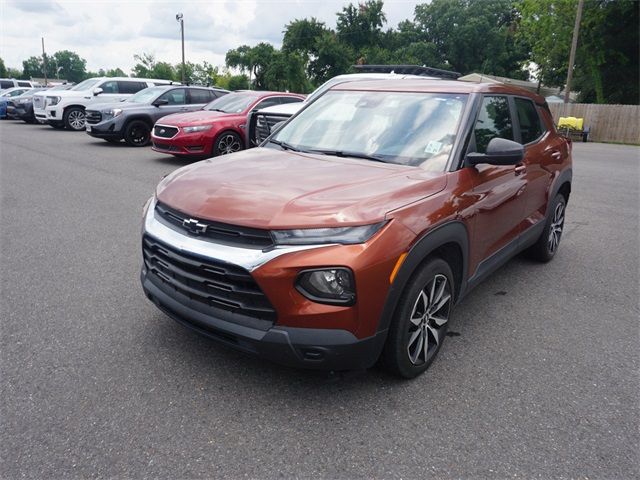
(408, 70)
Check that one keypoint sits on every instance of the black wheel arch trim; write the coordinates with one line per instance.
(564, 177)
(450, 232)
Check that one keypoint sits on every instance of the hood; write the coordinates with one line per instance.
(194, 118)
(70, 93)
(268, 188)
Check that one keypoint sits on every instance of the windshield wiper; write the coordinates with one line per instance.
(217, 110)
(285, 145)
(343, 153)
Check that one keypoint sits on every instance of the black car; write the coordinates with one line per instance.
(133, 119)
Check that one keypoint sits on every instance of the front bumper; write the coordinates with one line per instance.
(310, 348)
(108, 128)
(304, 333)
(184, 144)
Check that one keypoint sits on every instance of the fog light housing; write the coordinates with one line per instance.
(333, 286)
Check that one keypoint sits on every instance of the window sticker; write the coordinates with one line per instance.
(433, 147)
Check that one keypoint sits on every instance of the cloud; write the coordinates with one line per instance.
(108, 33)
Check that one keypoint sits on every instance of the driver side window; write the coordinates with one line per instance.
(494, 121)
(175, 97)
(109, 87)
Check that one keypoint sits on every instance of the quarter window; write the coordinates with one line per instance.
(6, 84)
(494, 121)
(529, 120)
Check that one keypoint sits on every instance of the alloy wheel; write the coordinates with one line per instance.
(228, 144)
(555, 231)
(429, 315)
(76, 119)
(139, 135)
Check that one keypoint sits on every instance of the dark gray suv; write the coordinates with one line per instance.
(133, 119)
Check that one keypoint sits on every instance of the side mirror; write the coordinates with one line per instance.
(97, 91)
(500, 151)
(160, 101)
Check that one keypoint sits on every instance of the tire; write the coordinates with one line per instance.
(137, 133)
(74, 119)
(414, 321)
(547, 245)
(227, 142)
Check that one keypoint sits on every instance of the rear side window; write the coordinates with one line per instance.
(267, 102)
(530, 125)
(290, 100)
(6, 84)
(494, 121)
(24, 84)
(176, 96)
(201, 96)
(130, 87)
(110, 87)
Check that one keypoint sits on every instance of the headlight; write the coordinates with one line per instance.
(53, 100)
(24, 100)
(199, 128)
(114, 112)
(334, 286)
(313, 236)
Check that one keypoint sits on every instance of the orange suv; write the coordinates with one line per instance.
(351, 233)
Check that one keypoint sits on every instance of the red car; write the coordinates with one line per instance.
(217, 129)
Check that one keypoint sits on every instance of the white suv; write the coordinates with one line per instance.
(65, 108)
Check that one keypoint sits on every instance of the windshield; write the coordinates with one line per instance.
(405, 128)
(147, 95)
(232, 102)
(86, 85)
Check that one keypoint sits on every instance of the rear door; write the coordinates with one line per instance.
(198, 98)
(540, 153)
(499, 191)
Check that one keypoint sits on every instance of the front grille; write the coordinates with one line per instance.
(210, 282)
(166, 147)
(164, 132)
(264, 123)
(220, 232)
(93, 116)
(37, 102)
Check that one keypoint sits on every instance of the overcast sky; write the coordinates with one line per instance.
(108, 33)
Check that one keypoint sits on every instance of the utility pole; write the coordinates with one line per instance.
(572, 55)
(179, 18)
(44, 60)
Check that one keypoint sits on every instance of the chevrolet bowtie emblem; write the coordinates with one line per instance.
(194, 226)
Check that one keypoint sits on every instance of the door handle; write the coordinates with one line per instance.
(556, 155)
(520, 169)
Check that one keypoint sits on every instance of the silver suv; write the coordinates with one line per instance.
(133, 119)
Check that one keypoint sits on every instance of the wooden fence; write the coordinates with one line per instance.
(608, 123)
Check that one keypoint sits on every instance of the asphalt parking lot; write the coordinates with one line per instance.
(541, 382)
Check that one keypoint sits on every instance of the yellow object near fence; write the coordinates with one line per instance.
(571, 122)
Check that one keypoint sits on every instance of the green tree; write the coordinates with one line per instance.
(115, 72)
(33, 67)
(71, 66)
(14, 73)
(332, 58)
(237, 82)
(144, 66)
(606, 67)
(3, 69)
(255, 60)
(360, 27)
(474, 36)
